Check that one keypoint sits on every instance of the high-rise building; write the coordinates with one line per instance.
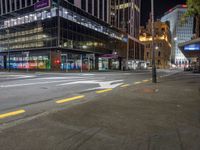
(125, 15)
(58, 35)
(63, 35)
(9, 6)
(191, 48)
(122, 14)
(180, 32)
(97, 8)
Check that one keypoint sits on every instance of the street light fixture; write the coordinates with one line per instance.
(156, 47)
(154, 75)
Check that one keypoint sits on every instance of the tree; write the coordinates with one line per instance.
(194, 10)
(193, 7)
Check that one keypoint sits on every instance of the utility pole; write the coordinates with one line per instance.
(154, 76)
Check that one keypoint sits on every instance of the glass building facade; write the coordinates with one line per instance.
(59, 37)
(180, 32)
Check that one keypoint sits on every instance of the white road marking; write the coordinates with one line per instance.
(87, 74)
(79, 82)
(102, 84)
(35, 83)
(17, 76)
(58, 78)
(192, 74)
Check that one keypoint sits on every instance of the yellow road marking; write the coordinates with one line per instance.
(69, 99)
(137, 83)
(145, 80)
(14, 113)
(103, 91)
(125, 85)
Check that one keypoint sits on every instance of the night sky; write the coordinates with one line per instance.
(161, 6)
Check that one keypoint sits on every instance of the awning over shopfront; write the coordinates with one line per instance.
(191, 49)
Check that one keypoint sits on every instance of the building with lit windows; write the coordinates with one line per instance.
(191, 49)
(181, 32)
(68, 35)
(98, 8)
(162, 43)
(125, 15)
(58, 35)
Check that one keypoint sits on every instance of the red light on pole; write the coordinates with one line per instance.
(57, 61)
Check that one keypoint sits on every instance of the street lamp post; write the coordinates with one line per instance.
(154, 76)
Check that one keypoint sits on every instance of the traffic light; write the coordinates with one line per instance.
(57, 61)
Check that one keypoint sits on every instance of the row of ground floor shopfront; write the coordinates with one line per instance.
(58, 60)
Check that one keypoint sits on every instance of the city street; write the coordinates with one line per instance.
(36, 91)
(40, 89)
(99, 75)
(100, 111)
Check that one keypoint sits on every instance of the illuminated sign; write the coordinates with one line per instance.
(123, 6)
(192, 47)
(43, 4)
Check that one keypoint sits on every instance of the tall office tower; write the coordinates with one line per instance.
(58, 35)
(9, 6)
(98, 8)
(125, 14)
(180, 32)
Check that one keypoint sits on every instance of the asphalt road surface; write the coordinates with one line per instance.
(95, 111)
(36, 91)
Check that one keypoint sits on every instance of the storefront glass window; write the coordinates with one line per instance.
(29, 61)
(1, 62)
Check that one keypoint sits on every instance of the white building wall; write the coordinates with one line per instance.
(180, 33)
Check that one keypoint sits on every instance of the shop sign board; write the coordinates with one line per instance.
(43, 4)
(109, 56)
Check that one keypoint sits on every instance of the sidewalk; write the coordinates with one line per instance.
(165, 116)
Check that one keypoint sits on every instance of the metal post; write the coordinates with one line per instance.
(88, 62)
(27, 63)
(58, 11)
(127, 54)
(154, 76)
(81, 63)
(8, 48)
(67, 62)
